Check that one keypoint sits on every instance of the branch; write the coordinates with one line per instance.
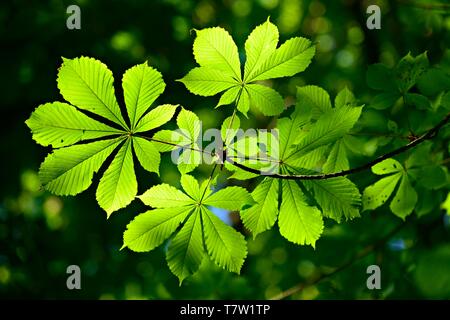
(361, 254)
(430, 134)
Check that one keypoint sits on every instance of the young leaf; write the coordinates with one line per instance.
(148, 230)
(329, 128)
(190, 186)
(206, 81)
(384, 100)
(229, 96)
(78, 84)
(69, 171)
(377, 194)
(338, 197)
(165, 196)
(345, 98)
(118, 186)
(263, 215)
(405, 200)
(314, 98)
(220, 70)
(88, 84)
(290, 58)
(260, 44)
(141, 86)
(214, 48)
(156, 118)
(229, 129)
(230, 198)
(60, 124)
(147, 154)
(226, 247)
(185, 252)
(337, 160)
(298, 222)
(201, 229)
(266, 99)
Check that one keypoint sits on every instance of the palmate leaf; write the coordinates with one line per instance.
(378, 193)
(201, 233)
(338, 198)
(88, 85)
(220, 70)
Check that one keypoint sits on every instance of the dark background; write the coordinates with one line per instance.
(41, 234)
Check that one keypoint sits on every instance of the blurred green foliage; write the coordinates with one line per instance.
(40, 234)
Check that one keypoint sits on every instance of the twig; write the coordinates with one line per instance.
(430, 134)
(361, 254)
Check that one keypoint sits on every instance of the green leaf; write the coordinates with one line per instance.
(165, 196)
(142, 85)
(377, 194)
(88, 84)
(147, 154)
(405, 199)
(229, 128)
(60, 124)
(384, 100)
(229, 96)
(230, 198)
(215, 48)
(189, 123)
(167, 140)
(189, 159)
(260, 44)
(337, 160)
(338, 197)
(190, 186)
(206, 81)
(387, 166)
(409, 69)
(185, 252)
(263, 214)
(226, 246)
(298, 222)
(148, 230)
(118, 186)
(289, 130)
(290, 58)
(265, 99)
(314, 98)
(69, 171)
(156, 117)
(380, 77)
(243, 103)
(418, 101)
(345, 98)
(330, 127)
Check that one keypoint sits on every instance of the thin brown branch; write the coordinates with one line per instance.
(361, 254)
(430, 134)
